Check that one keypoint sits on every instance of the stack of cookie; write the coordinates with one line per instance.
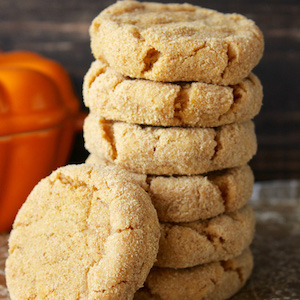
(171, 98)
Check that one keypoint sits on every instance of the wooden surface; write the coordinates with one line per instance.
(276, 275)
(59, 30)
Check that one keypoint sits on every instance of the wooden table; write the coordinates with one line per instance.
(276, 275)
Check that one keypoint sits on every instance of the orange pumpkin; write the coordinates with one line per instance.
(39, 114)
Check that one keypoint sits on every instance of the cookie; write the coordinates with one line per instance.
(119, 98)
(85, 232)
(172, 150)
(213, 281)
(176, 42)
(191, 198)
(185, 245)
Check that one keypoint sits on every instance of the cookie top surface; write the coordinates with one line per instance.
(176, 42)
(84, 232)
(119, 98)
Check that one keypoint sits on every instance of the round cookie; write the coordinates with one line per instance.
(85, 232)
(119, 98)
(213, 281)
(185, 245)
(191, 198)
(176, 42)
(173, 150)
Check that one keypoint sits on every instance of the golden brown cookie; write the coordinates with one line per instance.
(185, 245)
(173, 150)
(85, 232)
(176, 42)
(191, 198)
(119, 98)
(213, 281)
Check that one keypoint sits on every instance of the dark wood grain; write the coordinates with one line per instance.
(59, 30)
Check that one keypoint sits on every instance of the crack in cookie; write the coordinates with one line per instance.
(143, 149)
(191, 43)
(192, 104)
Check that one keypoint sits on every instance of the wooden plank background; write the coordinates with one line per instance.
(59, 30)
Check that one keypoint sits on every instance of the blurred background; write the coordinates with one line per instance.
(58, 29)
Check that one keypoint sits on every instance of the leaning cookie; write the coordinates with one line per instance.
(116, 97)
(176, 42)
(185, 245)
(191, 198)
(213, 281)
(84, 232)
(172, 150)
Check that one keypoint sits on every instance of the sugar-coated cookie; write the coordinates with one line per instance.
(213, 281)
(191, 198)
(119, 98)
(176, 42)
(185, 245)
(85, 232)
(172, 150)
